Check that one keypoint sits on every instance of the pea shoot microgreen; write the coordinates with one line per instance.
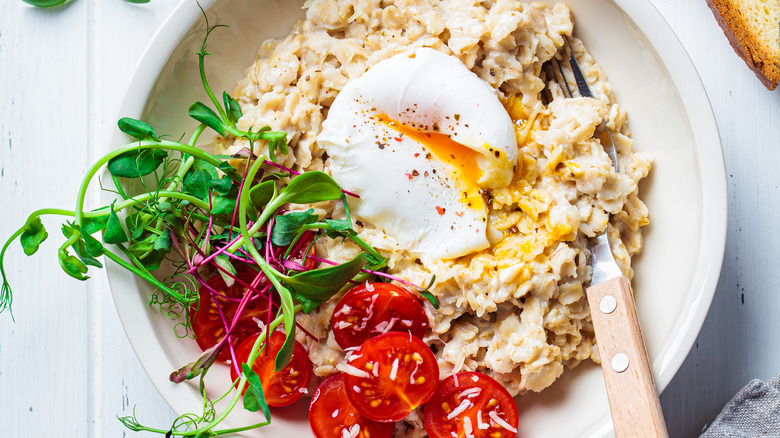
(197, 212)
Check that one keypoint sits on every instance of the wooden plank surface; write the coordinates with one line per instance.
(66, 368)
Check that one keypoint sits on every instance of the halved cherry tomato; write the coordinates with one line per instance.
(205, 318)
(331, 414)
(282, 387)
(391, 375)
(471, 404)
(371, 309)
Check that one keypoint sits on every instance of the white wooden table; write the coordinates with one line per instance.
(66, 367)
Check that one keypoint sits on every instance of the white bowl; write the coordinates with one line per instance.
(669, 116)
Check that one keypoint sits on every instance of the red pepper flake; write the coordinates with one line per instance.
(397, 138)
(409, 175)
(417, 154)
(459, 213)
(441, 210)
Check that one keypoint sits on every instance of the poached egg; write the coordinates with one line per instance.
(419, 138)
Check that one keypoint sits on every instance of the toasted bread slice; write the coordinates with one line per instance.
(753, 29)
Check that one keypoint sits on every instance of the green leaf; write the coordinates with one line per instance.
(340, 225)
(200, 112)
(163, 242)
(222, 185)
(197, 182)
(429, 296)
(310, 187)
(287, 226)
(114, 232)
(224, 262)
(136, 128)
(46, 3)
(91, 225)
(230, 171)
(261, 194)
(141, 247)
(135, 164)
(232, 107)
(93, 246)
(153, 260)
(223, 204)
(276, 141)
(80, 246)
(72, 266)
(311, 288)
(254, 399)
(137, 1)
(34, 233)
(136, 224)
(198, 179)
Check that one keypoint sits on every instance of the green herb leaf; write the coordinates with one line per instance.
(72, 266)
(261, 194)
(91, 225)
(429, 296)
(310, 187)
(153, 260)
(137, 1)
(230, 171)
(197, 182)
(93, 246)
(232, 107)
(141, 248)
(223, 204)
(114, 232)
(311, 288)
(135, 164)
(276, 141)
(222, 185)
(342, 225)
(136, 128)
(254, 399)
(224, 262)
(34, 233)
(287, 226)
(87, 256)
(136, 224)
(46, 3)
(163, 242)
(200, 112)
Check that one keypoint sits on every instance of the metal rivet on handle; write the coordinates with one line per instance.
(608, 304)
(620, 362)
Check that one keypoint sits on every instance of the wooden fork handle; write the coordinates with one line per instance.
(633, 398)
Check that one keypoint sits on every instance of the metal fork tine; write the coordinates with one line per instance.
(562, 79)
(582, 84)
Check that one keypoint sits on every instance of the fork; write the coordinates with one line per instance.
(633, 398)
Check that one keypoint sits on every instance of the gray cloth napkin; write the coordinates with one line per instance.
(753, 412)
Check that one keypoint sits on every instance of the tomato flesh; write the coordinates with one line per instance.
(282, 387)
(471, 404)
(205, 318)
(391, 375)
(331, 414)
(371, 309)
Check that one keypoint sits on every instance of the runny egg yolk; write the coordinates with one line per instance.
(462, 159)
